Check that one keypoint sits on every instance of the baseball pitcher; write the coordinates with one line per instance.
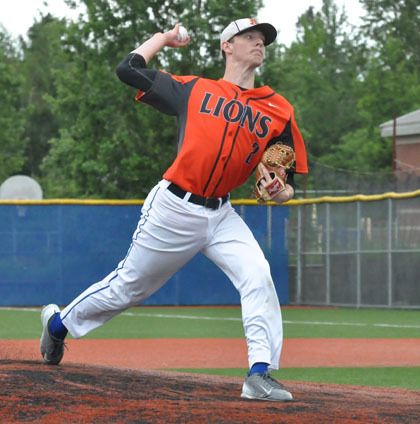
(228, 129)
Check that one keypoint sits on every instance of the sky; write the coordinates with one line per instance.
(19, 15)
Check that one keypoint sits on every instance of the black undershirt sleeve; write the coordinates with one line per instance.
(290, 178)
(159, 89)
(132, 71)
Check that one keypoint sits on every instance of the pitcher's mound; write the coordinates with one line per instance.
(31, 391)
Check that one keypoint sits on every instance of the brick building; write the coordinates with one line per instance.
(407, 141)
(406, 133)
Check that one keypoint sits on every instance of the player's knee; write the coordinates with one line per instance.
(256, 277)
(260, 270)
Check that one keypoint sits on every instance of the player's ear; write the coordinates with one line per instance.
(227, 47)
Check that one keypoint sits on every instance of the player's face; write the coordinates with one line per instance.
(249, 47)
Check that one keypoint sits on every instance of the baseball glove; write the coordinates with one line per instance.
(272, 180)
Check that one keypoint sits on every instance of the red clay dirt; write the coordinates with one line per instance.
(125, 390)
(223, 353)
(32, 392)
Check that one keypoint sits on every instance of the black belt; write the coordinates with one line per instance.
(208, 202)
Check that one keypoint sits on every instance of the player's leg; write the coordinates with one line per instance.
(168, 235)
(234, 249)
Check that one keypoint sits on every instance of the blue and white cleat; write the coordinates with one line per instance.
(52, 349)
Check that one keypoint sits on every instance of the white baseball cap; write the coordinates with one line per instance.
(242, 25)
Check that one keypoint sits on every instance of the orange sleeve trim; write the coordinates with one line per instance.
(300, 149)
(139, 95)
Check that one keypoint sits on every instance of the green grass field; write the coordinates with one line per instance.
(392, 377)
(196, 322)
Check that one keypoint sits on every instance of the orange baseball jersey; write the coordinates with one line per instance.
(223, 130)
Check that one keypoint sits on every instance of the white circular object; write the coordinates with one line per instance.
(20, 187)
(182, 34)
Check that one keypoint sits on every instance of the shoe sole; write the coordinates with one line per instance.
(250, 397)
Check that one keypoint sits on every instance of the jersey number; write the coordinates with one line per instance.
(255, 148)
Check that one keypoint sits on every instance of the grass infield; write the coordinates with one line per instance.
(391, 377)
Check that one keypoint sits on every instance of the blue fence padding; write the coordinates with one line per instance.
(51, 253)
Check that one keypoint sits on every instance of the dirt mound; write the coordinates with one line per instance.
(31, 391)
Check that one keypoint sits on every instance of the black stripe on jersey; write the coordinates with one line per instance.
(218, 154)
(286, 137)
(234, 141)
(182, 118)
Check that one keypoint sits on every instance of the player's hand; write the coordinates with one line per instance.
(172, 40)
(275, 185)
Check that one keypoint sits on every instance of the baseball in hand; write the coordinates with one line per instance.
(182, 34)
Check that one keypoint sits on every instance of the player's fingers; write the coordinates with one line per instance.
(264, 172)
(184, 43)
(172, 39)
(261, 172)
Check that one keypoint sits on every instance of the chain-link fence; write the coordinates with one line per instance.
(324, 179)
(357, 252)
(354, 251)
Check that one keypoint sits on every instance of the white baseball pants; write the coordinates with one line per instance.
(169, 233)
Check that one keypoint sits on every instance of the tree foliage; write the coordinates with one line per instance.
(389, 81)
(43, 60)
(12, 140)
(318, 73)
(114, 147)
(395, 20)
(67, 120)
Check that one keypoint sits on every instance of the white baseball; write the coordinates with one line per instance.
(182, 34)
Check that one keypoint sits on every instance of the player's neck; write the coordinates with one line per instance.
(238, 75)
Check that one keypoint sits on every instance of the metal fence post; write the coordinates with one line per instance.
(358, 256)
(299, 256)
(327, 254)
(269, 228)
(389, 252)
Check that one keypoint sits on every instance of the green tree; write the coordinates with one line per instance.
(43, 59)
(389, 83)
(12, 140)
(395, 19)
(318, 74)
(345, 82)
(107, 146)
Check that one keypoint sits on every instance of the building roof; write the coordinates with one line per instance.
(408, 124)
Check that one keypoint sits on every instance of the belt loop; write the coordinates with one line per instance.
(186, 197)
